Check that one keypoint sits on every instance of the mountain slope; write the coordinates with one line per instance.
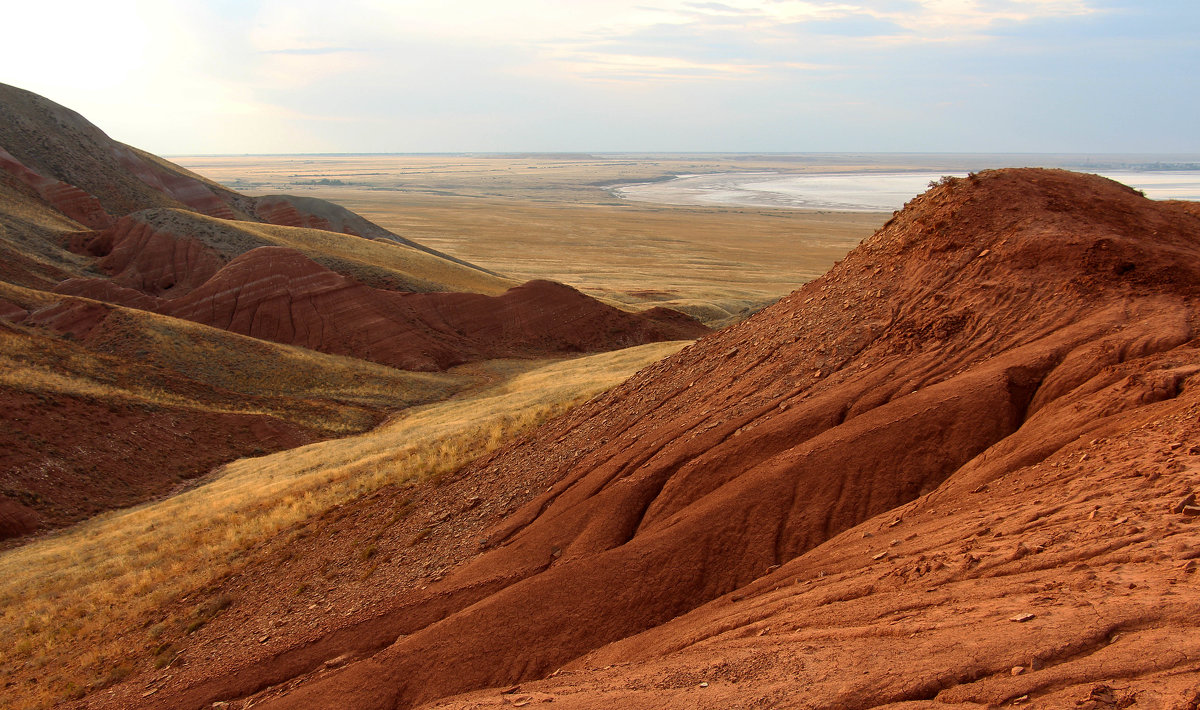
(996, 323)
(58, 158)
(101, 242)
(107, 406)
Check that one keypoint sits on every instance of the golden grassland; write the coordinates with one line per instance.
(67, 599)
(547, 217)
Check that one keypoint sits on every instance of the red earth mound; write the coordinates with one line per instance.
(144, 258)
(278, 294)
(970, 380)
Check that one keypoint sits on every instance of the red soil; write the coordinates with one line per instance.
(985, 411)
(279, 209)
(133, 451)
(177, 184)
(138, 256)
(278, 294)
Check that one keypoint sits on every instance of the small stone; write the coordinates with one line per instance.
(1189, 566)
(704, 684)
(1190, 500)
(220, 705)
(1122, 519)
(1192, 510)
(1017, 670)
(1022, 699)
(880, 556)
(1022, 618)
(264, 639)
(150, 692)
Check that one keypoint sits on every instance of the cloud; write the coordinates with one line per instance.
(311, 51)
(412, 75)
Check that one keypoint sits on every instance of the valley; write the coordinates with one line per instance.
(469, 431)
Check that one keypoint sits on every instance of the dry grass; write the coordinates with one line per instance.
(552, 218)
(371, 261)
(135, 356)
(66, 599)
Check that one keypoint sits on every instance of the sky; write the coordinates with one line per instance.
(297, 76)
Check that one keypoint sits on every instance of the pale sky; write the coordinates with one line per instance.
(289, 76)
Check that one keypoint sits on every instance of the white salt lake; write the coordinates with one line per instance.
(854, 191)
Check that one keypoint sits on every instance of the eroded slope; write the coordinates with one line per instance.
(985, 304)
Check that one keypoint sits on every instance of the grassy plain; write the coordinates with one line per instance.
(69, 601)
(552, 217)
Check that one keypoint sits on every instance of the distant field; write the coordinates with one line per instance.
(547, 217)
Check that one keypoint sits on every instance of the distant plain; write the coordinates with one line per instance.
(555, 217)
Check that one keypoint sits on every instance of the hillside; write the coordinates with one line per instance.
(127, 285)
(955, 469)
(108, 406)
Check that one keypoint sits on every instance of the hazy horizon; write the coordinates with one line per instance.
(269, 77)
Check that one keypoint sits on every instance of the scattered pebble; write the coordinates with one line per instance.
(1018, 670)
(1022, 618)
(704, 684)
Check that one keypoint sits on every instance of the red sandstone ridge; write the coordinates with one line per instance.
(278, 294)
(153, 261)
(953, 470)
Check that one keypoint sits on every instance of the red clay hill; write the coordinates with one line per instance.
(957, 470)
(96, 236)
(280, 295)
